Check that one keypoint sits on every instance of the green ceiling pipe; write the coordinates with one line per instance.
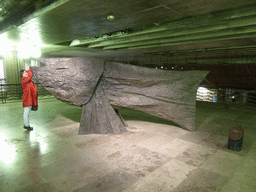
(179, 41)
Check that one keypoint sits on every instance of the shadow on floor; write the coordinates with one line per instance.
(74, 113)
(49, 109)
(74, 116)
(129, 114)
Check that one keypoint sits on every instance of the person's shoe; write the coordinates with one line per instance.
(28, 128)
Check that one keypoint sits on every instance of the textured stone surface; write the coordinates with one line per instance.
(97, 85)
(167, 94)
(99, 117)
(71, 80)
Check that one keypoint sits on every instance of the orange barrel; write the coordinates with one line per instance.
(235, 138)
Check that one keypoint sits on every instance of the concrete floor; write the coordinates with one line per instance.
(154, 155)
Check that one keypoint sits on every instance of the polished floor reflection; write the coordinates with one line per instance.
(154, 155)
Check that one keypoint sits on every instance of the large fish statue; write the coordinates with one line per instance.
(102, 87)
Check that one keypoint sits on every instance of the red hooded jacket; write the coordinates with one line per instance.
(29, 91)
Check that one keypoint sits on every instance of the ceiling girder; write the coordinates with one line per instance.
(203, 26)
(145, 31)
(179, 41)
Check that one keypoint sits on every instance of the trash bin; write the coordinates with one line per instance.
(235, 138)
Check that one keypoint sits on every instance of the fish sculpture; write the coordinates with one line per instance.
(102, 87)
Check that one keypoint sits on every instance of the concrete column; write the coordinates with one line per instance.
(245, 97)
(13, 66)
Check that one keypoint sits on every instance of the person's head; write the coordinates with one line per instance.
(23, 73)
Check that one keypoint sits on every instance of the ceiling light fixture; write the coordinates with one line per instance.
(111, 17)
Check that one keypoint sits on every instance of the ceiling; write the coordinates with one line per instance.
(136, 31)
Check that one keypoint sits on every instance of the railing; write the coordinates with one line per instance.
(10, 92)
(227, 97)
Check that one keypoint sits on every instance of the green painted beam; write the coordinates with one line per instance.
(244, 25)
(210, 53)
(36, 14)
(193, 36)
(180, 41)
(196, 61)
(202, 23)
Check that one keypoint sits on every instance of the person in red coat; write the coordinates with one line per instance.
(29, 97)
